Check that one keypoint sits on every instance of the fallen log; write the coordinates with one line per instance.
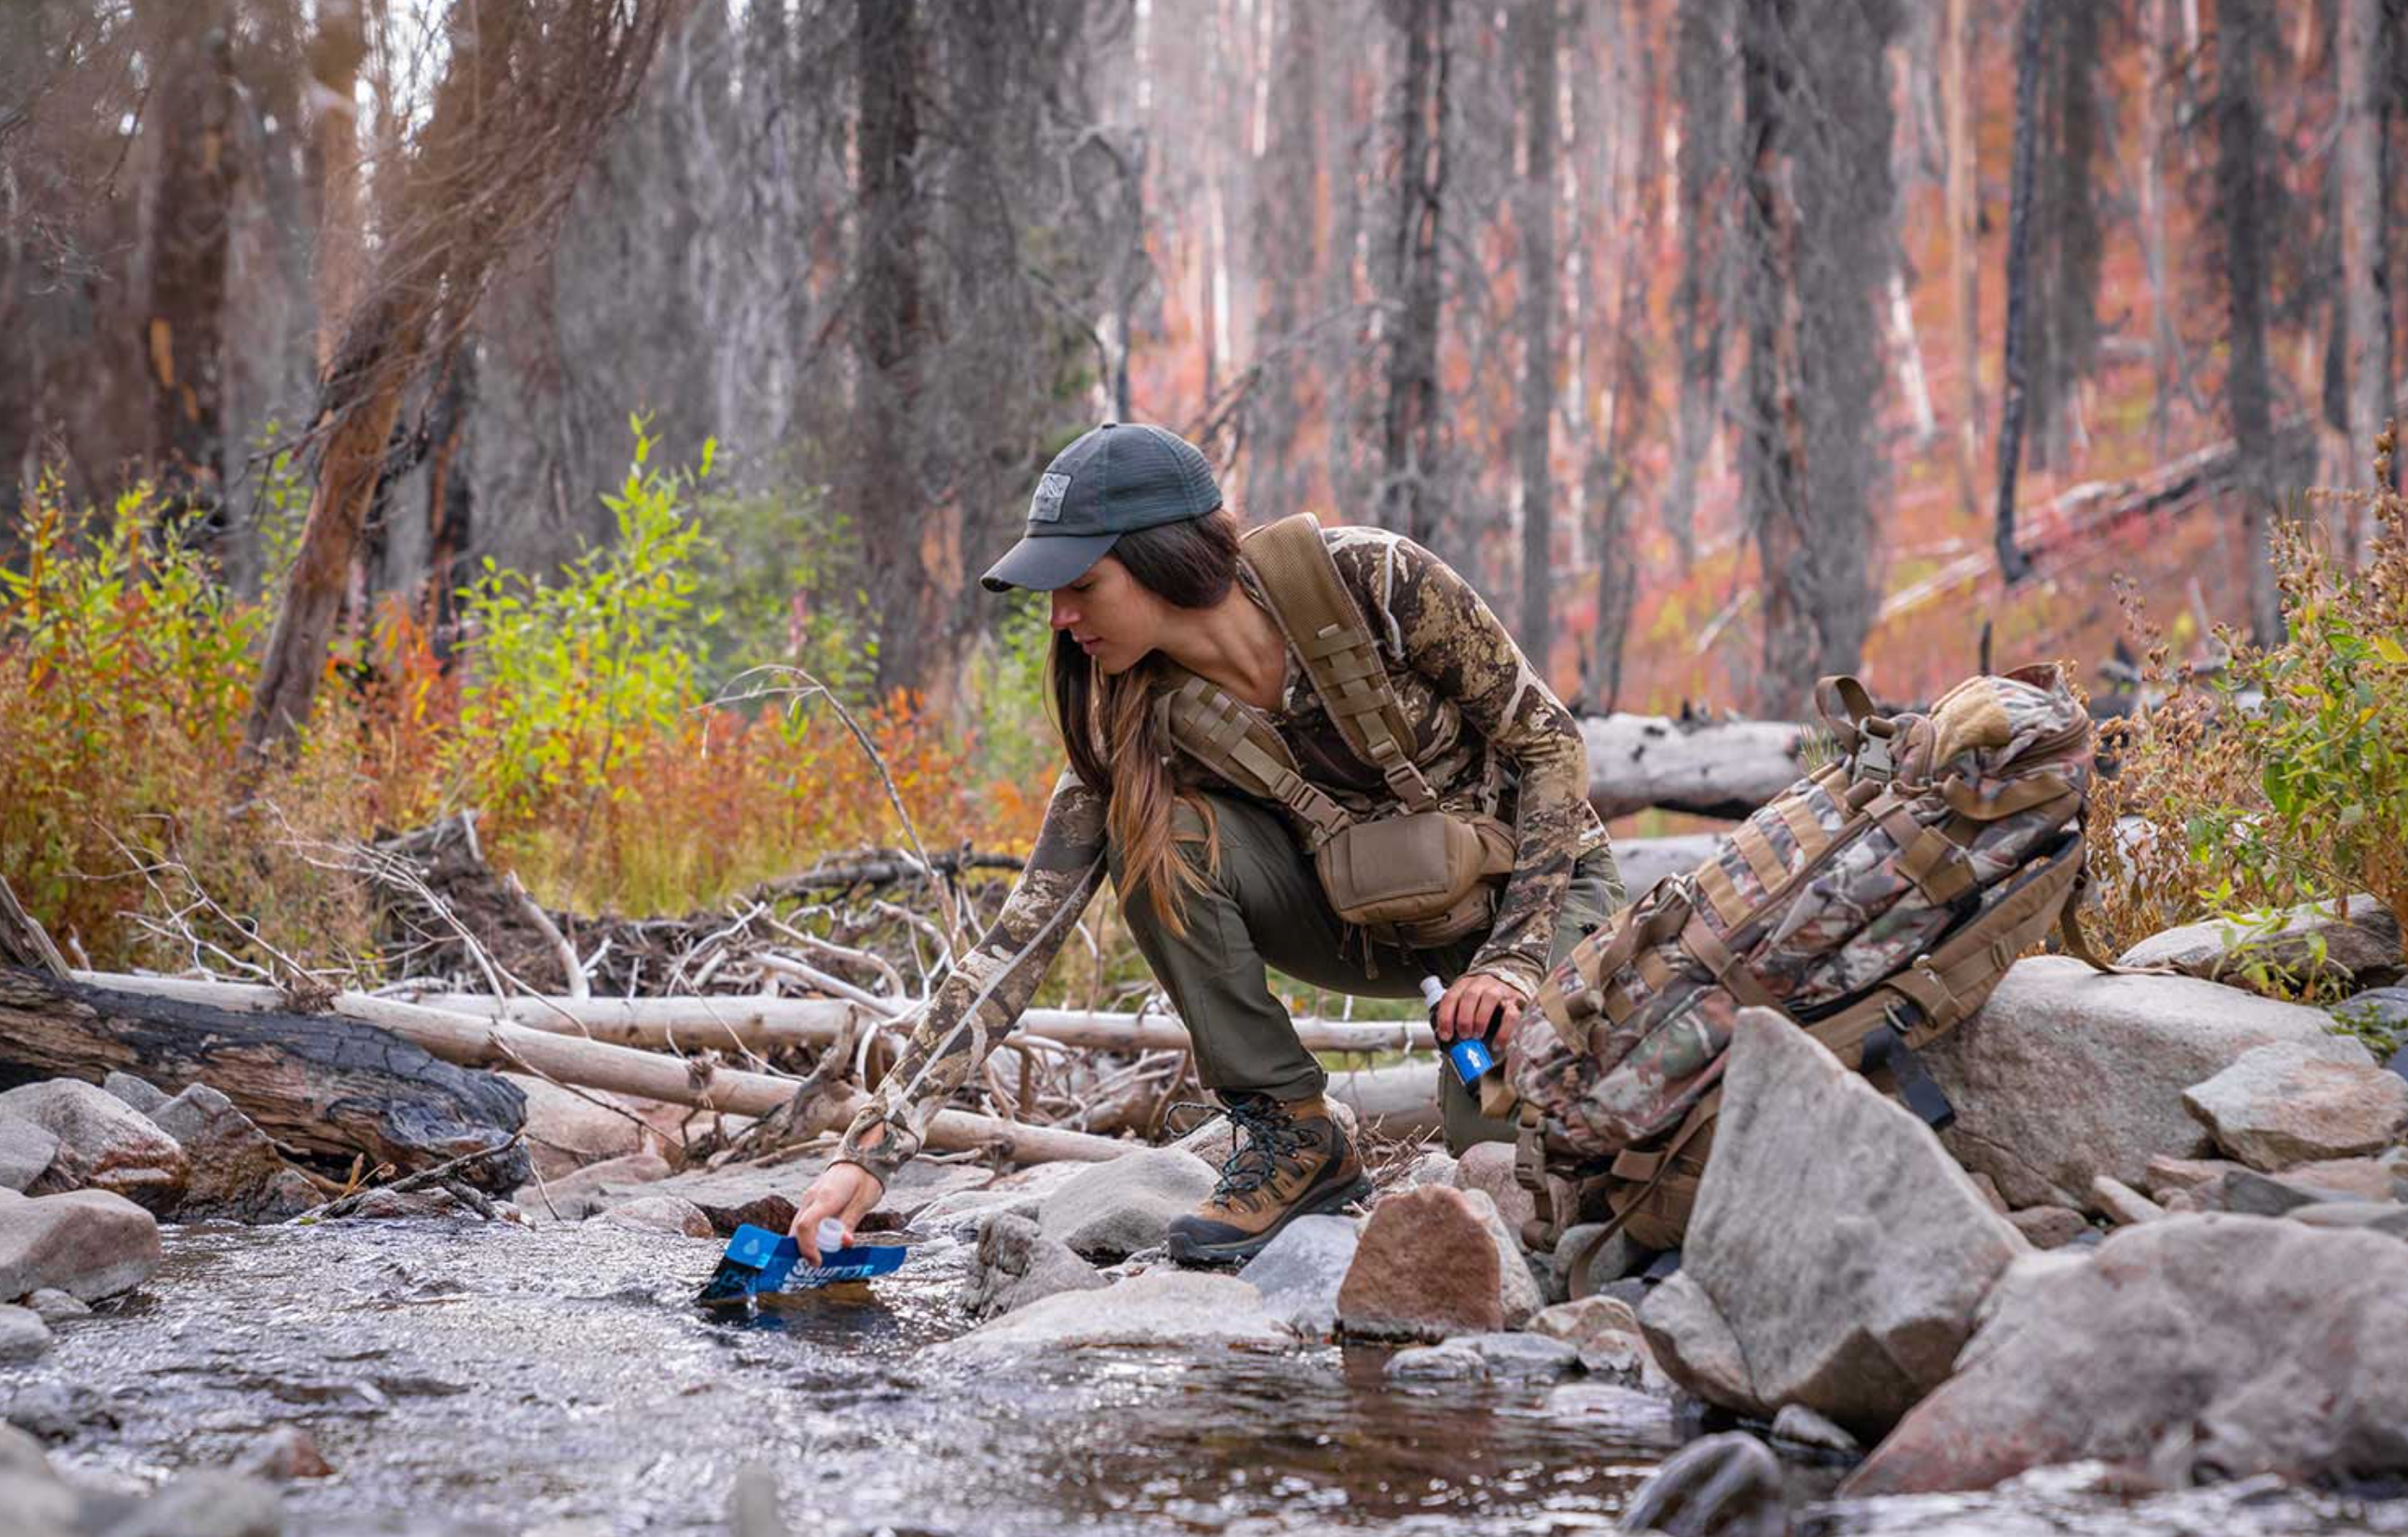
(756, 1024)
(1719, 769)
(313, 1081)
(1398, 1101)
(590, 1063)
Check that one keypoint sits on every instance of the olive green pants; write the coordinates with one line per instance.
(1264, 907)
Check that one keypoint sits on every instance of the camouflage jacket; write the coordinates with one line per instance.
(1489, 736)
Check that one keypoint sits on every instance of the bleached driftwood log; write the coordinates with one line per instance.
(574, 1058)
(696, 1024)
(1723, 769)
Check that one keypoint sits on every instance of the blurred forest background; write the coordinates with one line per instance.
(1724, 343)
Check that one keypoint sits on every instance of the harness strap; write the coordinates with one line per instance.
(1312, 607)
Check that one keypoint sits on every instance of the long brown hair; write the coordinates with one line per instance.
(1116, 747)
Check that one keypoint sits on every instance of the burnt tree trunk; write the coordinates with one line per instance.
(186, 233)
(1702, 70)
(2029, 31)
(1772, 449)
(2362, 53)
(313, 1081)
(336, 52)
(1408, 424)
(448, 505)
(1535, 27)
(2241, 184)
(903, 538)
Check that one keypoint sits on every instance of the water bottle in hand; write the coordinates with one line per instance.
(1472, 1057)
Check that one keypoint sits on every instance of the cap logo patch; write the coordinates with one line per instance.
(1046, 506)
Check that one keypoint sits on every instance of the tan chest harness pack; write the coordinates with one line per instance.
(1410, 874)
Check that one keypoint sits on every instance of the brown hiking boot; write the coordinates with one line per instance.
(1288, 1159)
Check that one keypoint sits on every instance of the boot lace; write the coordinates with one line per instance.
(1267, 1141)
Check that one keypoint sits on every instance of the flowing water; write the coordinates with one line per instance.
(473, 1379)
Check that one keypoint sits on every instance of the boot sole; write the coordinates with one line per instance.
(1185, 1252)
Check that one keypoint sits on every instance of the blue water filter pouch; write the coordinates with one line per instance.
(758, 1262)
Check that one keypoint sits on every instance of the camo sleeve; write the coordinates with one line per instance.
(1451, 637)
(982, 1000)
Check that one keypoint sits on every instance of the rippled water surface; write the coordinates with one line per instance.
(483, 1378)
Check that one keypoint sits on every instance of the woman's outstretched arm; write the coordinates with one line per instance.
(980, 1002)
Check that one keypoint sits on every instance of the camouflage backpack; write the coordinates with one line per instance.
(1876, 902)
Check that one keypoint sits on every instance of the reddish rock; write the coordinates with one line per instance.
(2049, 1227)
(236, 1169)
(282, 1455)
(1426, 1270)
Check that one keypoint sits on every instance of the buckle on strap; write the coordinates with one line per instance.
(1884, 1046)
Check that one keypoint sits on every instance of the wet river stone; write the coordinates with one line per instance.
(1110, 1210)
(24, 1336)
(89, 1244)
(1016, 1265)
(1299, 1273)
(2207, 1347)
(104, 1144)
(1184, 1310)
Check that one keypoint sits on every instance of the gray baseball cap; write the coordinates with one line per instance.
(1112, 479)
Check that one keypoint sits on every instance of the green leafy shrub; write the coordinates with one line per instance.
(2286, 781)
(568, 677)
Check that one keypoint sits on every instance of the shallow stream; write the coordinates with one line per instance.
(475, 1379)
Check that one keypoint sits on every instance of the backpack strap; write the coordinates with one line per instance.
(1205, 721)
(1310, 604)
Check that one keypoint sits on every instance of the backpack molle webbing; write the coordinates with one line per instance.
(1876, 902)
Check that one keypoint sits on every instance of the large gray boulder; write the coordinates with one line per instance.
(1015, 1264)
(236, 1172)
(1110, 1210)
(1835, 1245)
(104, 1144)
(2066, 1074)
(1300, 1272)
(2280, 1105)
(26, 1149)
(1162, 1309)
(89, 1244)
(2312, 943)
(2207, 1347)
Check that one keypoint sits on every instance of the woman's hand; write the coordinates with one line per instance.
(1478, 1005)
(846, 1192)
